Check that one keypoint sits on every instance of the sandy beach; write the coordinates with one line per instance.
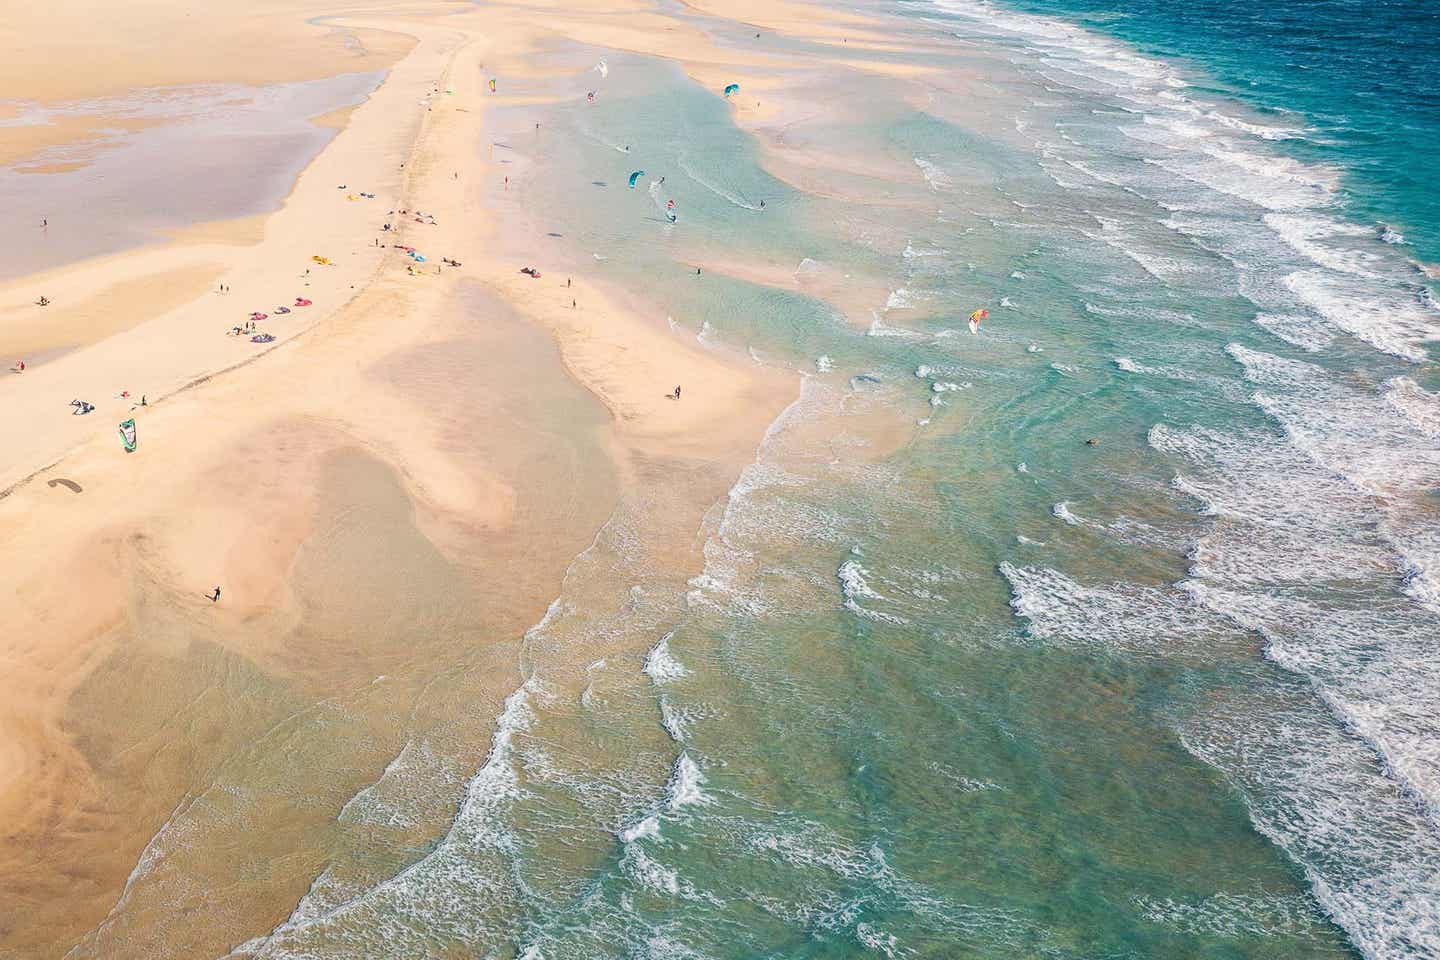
(705, 481)
(113, 718)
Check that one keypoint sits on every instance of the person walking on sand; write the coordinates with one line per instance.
(216, 597)
(677, 391)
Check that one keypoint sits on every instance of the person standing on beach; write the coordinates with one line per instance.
(677, 391)
(216, 597)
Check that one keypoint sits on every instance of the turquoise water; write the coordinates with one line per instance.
(954, 682)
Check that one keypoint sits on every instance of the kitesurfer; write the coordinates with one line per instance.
(762, 204)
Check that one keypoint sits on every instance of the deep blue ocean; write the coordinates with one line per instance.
(1363, 75)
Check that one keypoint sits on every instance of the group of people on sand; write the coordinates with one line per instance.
(251, 327)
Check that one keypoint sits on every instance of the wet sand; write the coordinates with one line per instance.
(177, 156)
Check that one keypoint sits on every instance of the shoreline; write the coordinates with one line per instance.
(519, 652)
